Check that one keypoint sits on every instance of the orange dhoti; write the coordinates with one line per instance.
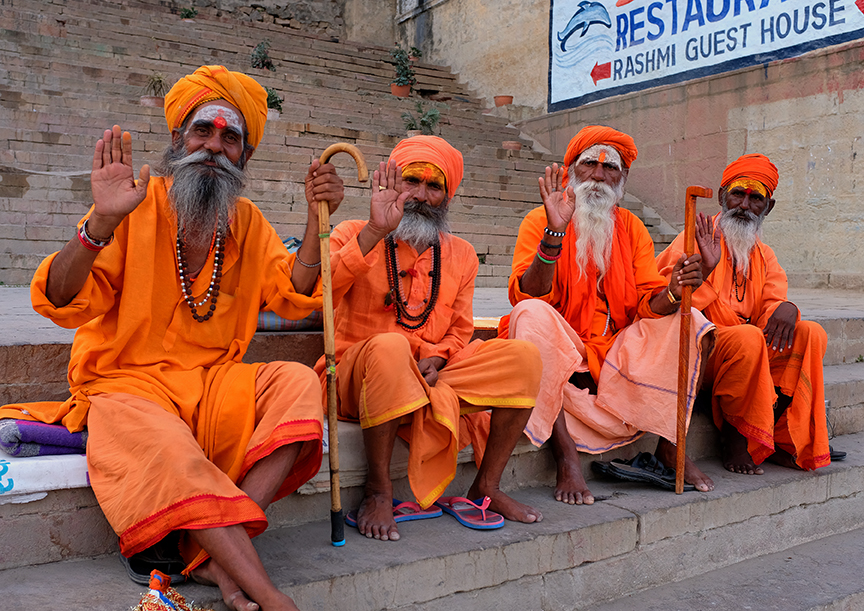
(637, 386)
(743, 374)
(155, 471)
(378, 381)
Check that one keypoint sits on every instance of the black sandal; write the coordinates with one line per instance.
(644, 467)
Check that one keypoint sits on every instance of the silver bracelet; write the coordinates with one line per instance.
(303, 263)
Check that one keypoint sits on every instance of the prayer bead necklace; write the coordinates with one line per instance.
(743, 284)
(218, 247)
(396, 295)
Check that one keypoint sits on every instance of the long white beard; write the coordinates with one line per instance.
(741, 229)
(594, 221)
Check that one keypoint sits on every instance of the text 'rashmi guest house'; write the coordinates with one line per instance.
(601, 49)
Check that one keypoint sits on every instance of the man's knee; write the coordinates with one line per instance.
(811, 331)
(532, 308)
(387, 350)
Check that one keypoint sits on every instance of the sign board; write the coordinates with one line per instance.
(601, 48)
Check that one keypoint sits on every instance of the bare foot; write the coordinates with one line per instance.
(784, 459)
(375, 517)
(570, 486)
(667, 453)
(211, 574)
(736, 458)
(506, 506)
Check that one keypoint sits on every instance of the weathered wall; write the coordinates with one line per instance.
(322, 17)
(804, 113)
(500, 48)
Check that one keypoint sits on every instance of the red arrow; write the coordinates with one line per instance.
(601, 71)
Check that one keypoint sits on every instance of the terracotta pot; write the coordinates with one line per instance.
(512, 145)
(152, 100)
(413, 132)
(272, 114)
(503, 100)
(400, 91)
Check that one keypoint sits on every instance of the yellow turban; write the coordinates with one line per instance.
(210, 83)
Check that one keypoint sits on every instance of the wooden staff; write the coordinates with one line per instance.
(337, 521)
(684, 337)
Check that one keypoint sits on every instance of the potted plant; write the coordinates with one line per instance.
(188, 14)
(261, 58)
(405, 75)
(274, 103)
(155, 90)
(423, 123)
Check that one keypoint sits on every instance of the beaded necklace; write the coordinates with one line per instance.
(396, 295)
(743, 284)
(212, 294)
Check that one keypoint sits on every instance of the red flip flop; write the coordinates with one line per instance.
(471, 514)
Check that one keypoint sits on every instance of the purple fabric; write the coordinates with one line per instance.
(26, 438)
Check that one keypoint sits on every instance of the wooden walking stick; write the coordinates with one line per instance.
(337, 521)
(684, 337)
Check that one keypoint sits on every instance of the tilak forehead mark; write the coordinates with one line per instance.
(601, 153)
(218, 115)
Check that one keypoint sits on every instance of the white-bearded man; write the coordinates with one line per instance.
(765, 373)
(587, 292)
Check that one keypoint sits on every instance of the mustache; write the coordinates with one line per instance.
(203, 156)
(413, 206)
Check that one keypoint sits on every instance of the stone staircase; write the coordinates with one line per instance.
(634, 541)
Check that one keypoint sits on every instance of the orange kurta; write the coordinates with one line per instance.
(630, 283)
(743, 372)
(136, 336)
(377, 373)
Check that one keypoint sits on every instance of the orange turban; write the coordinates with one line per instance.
(598, 134)
(210, 83)
(431, 149)
(755, 166)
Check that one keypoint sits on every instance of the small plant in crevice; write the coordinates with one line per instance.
(157, 85)
(261, 57)
(425, 120)
(273, 99)
(188, 13)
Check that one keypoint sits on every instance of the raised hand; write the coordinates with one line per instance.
(112, 181)
(323, 184)
(388, 199)
(559, 203)
(780, 328)
(709, 243)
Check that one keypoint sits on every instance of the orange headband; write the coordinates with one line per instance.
(425, 172)
(750, 185)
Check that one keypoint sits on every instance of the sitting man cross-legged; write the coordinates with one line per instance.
(587, 292)
(765, 374)
(403, 288)
(165, 281)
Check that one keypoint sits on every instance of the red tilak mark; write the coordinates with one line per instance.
(220, 123)
(602, 157)
(748, 191)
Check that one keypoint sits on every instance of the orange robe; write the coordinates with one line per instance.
(136, 337)
(743, 372)
(637, 391)
(377, 375)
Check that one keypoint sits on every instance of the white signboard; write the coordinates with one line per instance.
(601, 48)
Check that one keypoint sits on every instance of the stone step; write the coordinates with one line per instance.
(632, 539)
(823, 575)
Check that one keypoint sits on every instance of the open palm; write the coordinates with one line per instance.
(559, 203)
(388, 199)
(112, 180)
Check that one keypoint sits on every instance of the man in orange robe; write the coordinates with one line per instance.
(587, 292)
(768, 397)
(402, 289)
(164, 282)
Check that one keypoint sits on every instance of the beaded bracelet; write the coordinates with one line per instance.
(303, 263)
(549, 246)
(554, 234)
(88, 242)
(546, 258)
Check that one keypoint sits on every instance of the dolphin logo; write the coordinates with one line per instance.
(588, 14)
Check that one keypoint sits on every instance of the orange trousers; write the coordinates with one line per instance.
(153, 473)
(378, 381)
(743, 373)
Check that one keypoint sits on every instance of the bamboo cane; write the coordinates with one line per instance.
(337, 522)
(684, 337)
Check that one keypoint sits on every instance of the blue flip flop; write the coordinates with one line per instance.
(471, 514)
(402, 512)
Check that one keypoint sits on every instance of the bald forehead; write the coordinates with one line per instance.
(602, 153)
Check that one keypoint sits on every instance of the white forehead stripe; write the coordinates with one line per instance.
(592, 153)
(210, 113)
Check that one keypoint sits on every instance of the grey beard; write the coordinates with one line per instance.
(202, 195)
(421, 224)
(594, 221)
(741, 229)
